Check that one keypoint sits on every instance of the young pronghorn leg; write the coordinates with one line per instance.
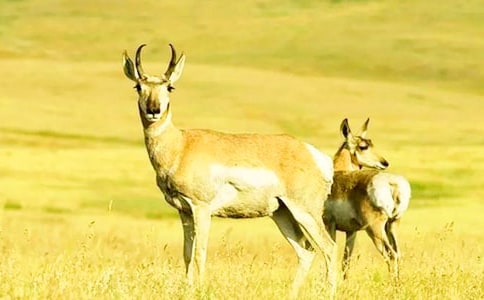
(304, 251)
(379, 237)
(331, 229)
(196, 227)
(313, 229)
(390, 232)
(349, 246)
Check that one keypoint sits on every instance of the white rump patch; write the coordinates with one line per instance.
(391, 193)
(324, 163)
(380, 194)
(402, 192)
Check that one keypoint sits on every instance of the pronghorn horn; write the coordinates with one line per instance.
(172, 63)
(139, 68)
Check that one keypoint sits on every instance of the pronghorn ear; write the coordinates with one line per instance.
(177, 70)
(128, 67)
(345, 129)
(364, 128)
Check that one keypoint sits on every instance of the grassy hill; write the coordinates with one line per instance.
(70, 134)
(417, 41)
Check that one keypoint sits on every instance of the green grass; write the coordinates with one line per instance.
(72, 150)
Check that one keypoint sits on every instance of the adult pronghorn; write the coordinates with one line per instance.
(367, 200)
(204, 173)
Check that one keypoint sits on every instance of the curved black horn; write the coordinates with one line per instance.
(139, 68)
(172, 63)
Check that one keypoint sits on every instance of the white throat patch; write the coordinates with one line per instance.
(158, 129)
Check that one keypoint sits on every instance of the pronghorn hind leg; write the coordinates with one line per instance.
(304, 251)
(313, 229)
(378, 235)
(196, 227)
(390, 232)
(349, 246)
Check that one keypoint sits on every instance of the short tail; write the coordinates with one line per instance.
(401, 193)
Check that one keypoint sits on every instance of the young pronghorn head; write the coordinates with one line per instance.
(153, 91)
(360, 148)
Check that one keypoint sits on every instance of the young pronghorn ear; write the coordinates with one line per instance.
(345, 129)
(364, 128)
(128, 67)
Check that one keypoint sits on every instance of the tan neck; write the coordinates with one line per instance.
(343, 161)
(163, 141)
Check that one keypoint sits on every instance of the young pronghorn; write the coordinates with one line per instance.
(204, 173)
(367, 200)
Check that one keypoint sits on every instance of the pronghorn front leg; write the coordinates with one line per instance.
(349, 246)
(188, 235)
(196, 227)
(331, 228)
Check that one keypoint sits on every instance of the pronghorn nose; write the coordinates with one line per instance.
(153, 111)
(385, 163)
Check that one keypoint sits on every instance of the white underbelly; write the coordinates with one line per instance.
(233, 203)
(244, 192)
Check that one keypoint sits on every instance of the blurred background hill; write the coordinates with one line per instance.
(70, 138)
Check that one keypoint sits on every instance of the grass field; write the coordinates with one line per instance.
(82, 216)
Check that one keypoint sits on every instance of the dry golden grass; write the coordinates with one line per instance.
(61, 256)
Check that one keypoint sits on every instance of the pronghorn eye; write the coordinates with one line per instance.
(363, 147)
(137, 87)
(170, 88)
